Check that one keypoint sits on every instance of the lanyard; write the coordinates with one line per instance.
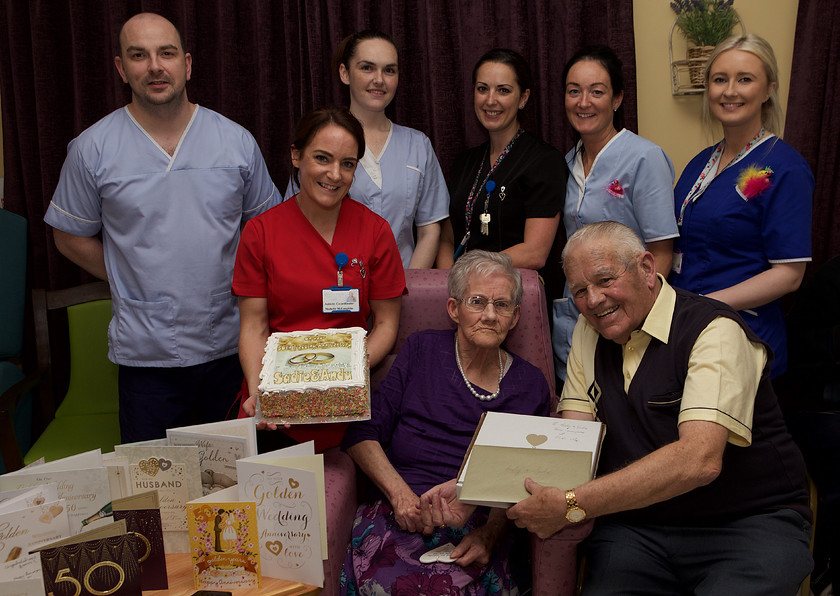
(476, 187)
(704, 179)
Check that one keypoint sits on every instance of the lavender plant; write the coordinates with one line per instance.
(705, 22)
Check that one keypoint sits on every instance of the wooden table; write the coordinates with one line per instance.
(179, 570)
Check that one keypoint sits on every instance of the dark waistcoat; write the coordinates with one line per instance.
(766, 476)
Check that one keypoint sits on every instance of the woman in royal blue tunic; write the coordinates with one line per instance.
(744, 204)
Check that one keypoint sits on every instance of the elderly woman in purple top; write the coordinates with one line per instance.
(423, 418)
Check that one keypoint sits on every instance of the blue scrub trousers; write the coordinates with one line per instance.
(153, 399)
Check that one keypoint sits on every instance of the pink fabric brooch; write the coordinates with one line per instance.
(753, 181)
(615, 189)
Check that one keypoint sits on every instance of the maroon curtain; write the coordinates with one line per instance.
(263, 63)
(813, 121)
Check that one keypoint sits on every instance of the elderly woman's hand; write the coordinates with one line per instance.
(407, 510)
(439, 506)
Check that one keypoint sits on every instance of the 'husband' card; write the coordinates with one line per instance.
(175, 474)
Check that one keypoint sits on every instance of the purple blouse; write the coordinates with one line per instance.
(424, 416)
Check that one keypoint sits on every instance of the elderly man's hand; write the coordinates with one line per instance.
(439, 506)
(477, 546)
(543, 513)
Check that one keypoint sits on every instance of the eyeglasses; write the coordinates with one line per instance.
(479, 303)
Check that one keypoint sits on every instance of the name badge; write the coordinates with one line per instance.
(340, 299)
(676, 263)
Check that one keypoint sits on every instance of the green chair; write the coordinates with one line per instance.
(87, 417)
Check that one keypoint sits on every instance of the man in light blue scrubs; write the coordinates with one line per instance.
(168, 184)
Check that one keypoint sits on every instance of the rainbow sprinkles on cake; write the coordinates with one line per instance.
(315, 376)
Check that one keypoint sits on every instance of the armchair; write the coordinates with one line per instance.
(554, 561)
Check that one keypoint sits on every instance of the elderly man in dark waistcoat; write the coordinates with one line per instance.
(700, 488)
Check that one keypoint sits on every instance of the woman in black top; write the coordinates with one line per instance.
(507, 194)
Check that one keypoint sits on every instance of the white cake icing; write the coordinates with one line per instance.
(317, 375)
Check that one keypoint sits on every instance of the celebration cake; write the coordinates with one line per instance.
(315, 376)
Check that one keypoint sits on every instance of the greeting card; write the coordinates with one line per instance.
(175, 474)
(100, 561)
(141, 513)
(24, 528)
(223, 542)
(22, 587)
(81, 480)
(118, 478)
(288, 492)
(219, 444)
(507, 448)
(28, 497)
(16, 500)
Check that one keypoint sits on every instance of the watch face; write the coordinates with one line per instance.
(575, 515)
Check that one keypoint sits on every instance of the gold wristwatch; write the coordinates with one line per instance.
(574, 513)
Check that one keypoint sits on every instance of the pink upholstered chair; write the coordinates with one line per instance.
(554, 560)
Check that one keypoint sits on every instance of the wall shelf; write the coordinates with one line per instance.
(686, 75)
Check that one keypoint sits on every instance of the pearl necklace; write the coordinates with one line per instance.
(490, 397)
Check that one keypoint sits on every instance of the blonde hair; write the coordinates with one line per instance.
(771, 111)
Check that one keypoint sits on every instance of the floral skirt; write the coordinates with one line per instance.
(384, 560)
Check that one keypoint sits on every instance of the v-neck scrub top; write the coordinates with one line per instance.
(170, 227)
(642, 198)
(631, 181)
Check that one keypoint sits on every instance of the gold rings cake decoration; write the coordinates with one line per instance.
(312, 358)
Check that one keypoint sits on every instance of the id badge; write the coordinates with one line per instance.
(337, 299)
(676, 263)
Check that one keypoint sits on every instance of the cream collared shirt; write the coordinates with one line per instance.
(724, 368)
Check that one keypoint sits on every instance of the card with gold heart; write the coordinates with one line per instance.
(175, 473)
(288, 487)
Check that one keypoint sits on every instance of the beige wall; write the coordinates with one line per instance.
(673, 122)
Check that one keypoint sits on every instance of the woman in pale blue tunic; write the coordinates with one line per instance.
(615, 175)
(400, 178)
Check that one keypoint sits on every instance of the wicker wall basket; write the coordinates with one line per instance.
(687, 75)
(697, 58)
